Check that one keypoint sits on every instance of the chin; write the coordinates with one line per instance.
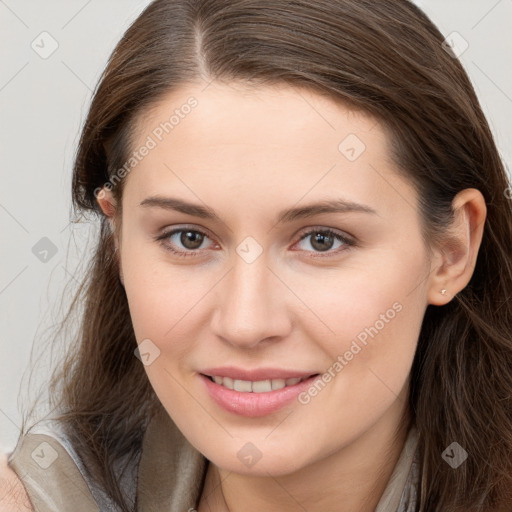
(248, 459)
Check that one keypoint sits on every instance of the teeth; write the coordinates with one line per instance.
(260, 386)
(242, 385)
(227, 382)
(278, 384)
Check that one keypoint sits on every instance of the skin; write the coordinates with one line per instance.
(13, 497)
(248, 153)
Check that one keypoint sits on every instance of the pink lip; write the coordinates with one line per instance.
(254, 404)
(255, 374)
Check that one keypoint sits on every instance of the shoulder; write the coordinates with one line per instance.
(13, 497)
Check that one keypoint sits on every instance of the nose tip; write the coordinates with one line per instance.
(249, 310)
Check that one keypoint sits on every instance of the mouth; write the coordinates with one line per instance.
(255, 398)
(258, 386)
(254, 392)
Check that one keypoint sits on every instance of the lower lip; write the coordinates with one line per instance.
(254, 404)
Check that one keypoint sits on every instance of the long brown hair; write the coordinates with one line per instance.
(383, 58)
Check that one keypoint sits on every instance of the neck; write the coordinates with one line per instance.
(352, 479)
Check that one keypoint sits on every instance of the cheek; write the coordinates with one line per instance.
(370, 318)
(157, 292)
(368, 362)
(169, 305)
(162, 309)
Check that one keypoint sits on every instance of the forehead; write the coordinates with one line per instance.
(238, 113)
(278, 142)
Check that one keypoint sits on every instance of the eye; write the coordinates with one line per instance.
(189, 239)
(323, 240)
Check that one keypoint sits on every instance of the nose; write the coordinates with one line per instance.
(252, 307)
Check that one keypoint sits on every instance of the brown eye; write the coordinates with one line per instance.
(183, 242)
(191, 239)
(323, 240)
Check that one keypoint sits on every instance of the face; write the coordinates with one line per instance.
(231, 272)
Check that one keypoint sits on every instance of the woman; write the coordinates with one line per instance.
(294, 303)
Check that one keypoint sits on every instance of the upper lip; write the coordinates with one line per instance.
(255, 374)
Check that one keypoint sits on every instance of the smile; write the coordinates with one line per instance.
(253, 398)
(259, 386)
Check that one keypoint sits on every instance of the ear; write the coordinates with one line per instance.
(454, 259)
(107, 203)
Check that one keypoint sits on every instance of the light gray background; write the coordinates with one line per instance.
(42, 105)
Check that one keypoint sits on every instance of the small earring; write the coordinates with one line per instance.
(443, 292)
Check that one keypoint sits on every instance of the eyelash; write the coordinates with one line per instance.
(348, 242)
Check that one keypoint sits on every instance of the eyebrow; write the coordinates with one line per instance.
(288, 215)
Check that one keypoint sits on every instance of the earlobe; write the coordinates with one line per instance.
(455, 259)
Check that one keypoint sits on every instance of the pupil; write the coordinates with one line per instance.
(191, 239)
(321, 237)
